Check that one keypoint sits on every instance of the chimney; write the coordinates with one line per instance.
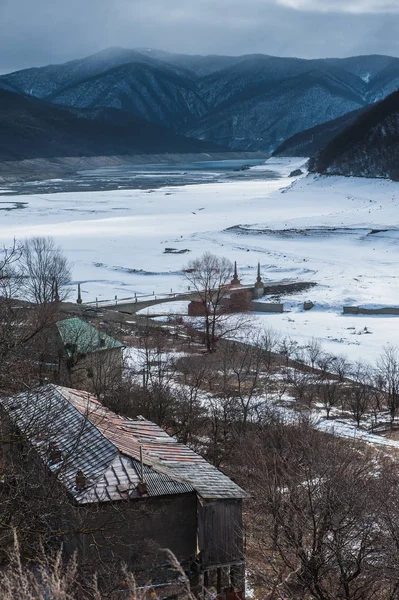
(54, 453)
(102, 341)
(80, 481)
(142, 488)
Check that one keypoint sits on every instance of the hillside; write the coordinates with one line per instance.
(367, 148)
(265, 113)
(31, 128)
(253, 102)
(310, 141)
(147, 92)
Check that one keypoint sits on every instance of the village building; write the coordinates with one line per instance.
(79, 355)
(134, 487)
(196, 308)
(237, 298)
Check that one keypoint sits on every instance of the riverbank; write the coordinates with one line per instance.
(41, 168)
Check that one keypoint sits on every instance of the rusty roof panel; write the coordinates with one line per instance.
(106, 447)
(160, 450)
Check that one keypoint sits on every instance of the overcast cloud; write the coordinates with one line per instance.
(39, 32)
(346, 6)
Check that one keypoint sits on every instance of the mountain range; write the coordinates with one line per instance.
(253, 102)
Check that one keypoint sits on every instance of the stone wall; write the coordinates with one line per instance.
(267, 307)
(357, 310)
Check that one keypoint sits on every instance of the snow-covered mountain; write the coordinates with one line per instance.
(252, 102)
(367, 148)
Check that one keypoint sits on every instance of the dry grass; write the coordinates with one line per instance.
(51, 578)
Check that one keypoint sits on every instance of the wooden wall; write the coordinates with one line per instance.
(220, 534)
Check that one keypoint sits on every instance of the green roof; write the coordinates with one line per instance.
(81, 337)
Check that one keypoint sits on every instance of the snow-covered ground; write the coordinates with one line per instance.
(116, 240)
(136, 358)
(342, 234)
(166, 308)
(347, 429)
(359, 338)
(340, 427)
(282, 404)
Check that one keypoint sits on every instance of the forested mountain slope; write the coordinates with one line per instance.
(253, 102)
(31, 128)
(367, 148)
(308, 142)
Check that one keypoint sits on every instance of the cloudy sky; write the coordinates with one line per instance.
(39, 32)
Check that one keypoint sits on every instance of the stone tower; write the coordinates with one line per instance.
(259, 289)
(235, 280)
(79, 300)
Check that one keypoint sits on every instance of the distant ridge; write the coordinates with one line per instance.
(31, 128)
(253, 102)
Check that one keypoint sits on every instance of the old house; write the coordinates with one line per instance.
(83, 356)
(135, 488)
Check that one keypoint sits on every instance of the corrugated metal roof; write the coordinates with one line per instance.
(46, 416)
(83, 338)
(160, 450)
(121, 479)
(106, 447)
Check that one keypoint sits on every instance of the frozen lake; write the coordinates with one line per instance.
(342, 234)
(118, 240)
(146, 177)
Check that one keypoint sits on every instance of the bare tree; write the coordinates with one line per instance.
(191, 415)
(268, 341)
(303, 385)
(45, 269)
(245, 378)
(388, 499)
(10, 279)
(340, 366)
(325, 364)
(156, 364)
(222, 439)
(314, 515)
(377, 393)
(313, 352)
(288, 348)
(209, 276)
(20, 324)
(388, 371)
(359, 393)
(330, 391)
